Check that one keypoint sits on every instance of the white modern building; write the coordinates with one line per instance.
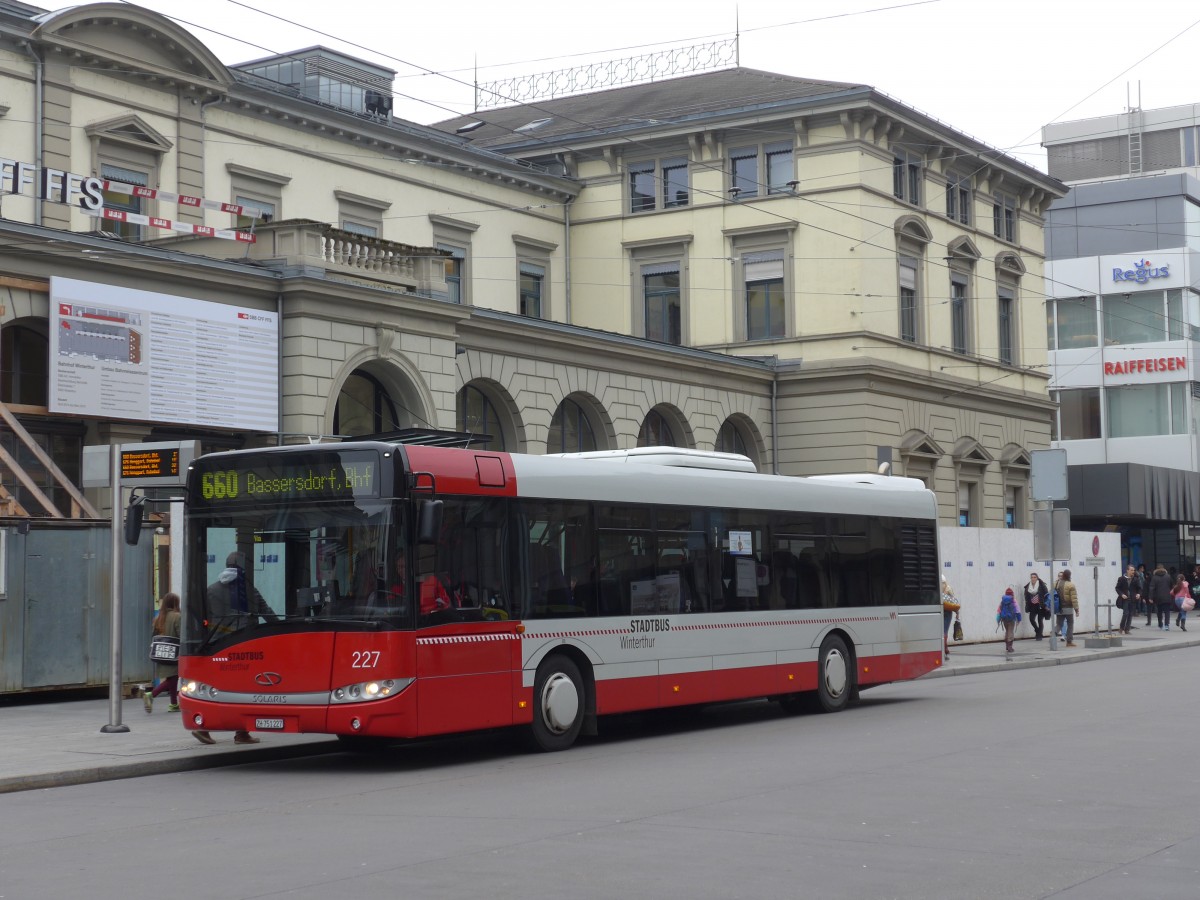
(1123, 319)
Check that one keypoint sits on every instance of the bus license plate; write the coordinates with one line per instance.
(268, 724)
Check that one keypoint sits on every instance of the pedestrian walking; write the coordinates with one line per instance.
(950, 607)
(1179, 593)
(1146, 606)
(1160, 597)
(1127, 598)
(1008, 614)
(166, 623)
(1037, 602)
(1068, 606)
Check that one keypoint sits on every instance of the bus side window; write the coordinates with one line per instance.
(551, 594)
(784, 580)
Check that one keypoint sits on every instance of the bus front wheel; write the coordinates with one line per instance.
(835, 675)
(558, 705)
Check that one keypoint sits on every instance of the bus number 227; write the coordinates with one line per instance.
(365, 659)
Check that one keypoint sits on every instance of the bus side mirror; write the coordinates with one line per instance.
(133, 520)
(429, 521)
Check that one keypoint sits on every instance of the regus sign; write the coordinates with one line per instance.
(1142, 272)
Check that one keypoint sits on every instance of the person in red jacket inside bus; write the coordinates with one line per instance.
(434, 596)
(432, 593)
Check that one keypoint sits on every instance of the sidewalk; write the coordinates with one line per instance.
(972, 659)
(60, 743)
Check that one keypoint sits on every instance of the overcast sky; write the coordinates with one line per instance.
(996, 69)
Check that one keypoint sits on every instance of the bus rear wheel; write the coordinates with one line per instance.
(558, 705)
(835, 675)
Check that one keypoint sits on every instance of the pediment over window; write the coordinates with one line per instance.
(913, 228)
(919, 444)
(1015, 456)
(968, 451)
(964, 248)
(1011, 264)
(136, 40)
(131, 130)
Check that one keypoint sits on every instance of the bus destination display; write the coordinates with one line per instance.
(353, 476)
(159, 462)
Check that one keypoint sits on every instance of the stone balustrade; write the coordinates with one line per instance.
(310, 246)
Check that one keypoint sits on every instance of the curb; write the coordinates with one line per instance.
(1018, 663)
(117, 771)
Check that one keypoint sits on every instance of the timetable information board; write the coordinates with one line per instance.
(158, 463)
(124, 353)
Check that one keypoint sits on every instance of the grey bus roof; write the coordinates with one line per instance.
(670, 456)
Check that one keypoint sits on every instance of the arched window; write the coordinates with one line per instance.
(24, 355)
(570, 430)
(477, 415)
(656, 431)
(364, 407)
(730, 440)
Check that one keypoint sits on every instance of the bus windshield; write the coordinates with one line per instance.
(295, 567)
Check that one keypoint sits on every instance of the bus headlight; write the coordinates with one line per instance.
(365, 691)
(198, 690)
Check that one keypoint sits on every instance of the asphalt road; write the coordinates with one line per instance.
(1066, 782)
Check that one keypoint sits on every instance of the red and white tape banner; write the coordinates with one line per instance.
(119, 215)
(120, 187)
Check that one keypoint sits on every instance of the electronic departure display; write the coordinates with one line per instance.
(157, 462)
(349, 475)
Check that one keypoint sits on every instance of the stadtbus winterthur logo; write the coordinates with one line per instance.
(1142, 272)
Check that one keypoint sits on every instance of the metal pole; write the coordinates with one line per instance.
(1053, 613)
(1053, 576)
(115, 685)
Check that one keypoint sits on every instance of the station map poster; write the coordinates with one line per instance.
(127, 354)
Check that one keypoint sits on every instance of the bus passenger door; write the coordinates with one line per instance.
(465, 649)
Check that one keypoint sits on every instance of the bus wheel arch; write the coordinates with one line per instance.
(837, 670)
(563, 701)
(836, 678)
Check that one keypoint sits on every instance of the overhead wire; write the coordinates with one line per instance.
(788, 219)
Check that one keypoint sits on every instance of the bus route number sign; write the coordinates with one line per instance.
(339, 475)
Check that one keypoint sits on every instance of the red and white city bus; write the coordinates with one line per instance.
(377, 590)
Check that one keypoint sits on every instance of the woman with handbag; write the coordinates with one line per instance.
(1183, 598)
(1036, 603)
(166, 624)
(950, 606)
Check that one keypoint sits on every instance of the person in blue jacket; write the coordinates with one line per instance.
(1008, 614)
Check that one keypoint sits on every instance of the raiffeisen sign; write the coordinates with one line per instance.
(1146, 366)
(1141, 273)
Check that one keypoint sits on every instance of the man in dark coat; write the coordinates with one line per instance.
(231, 603)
